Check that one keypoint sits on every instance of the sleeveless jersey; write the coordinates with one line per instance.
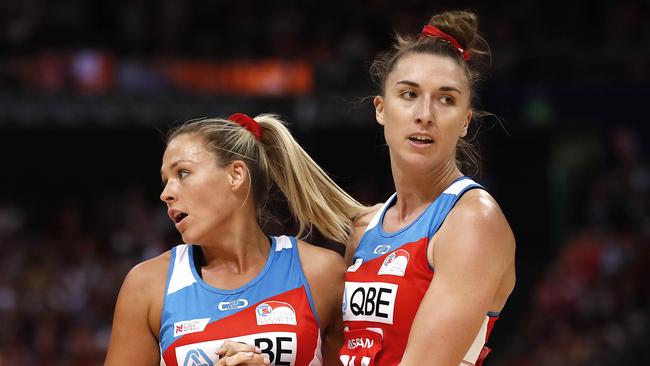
(273, 311)
(387, 281)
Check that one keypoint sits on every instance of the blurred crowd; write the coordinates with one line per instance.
(55, 45)
(592, 304)
(61, 269)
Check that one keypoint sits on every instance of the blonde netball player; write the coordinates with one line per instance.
(234, 295)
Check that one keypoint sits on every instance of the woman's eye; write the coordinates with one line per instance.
(409, 94)
(183, 173)
(447, 100)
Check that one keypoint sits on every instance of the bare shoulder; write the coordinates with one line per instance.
(360, 224)
(319, 260)
(325, 272)
(136, 323)
(362, 220)
(477, 227)
(148, 273)
(144, 285)
(367, 214)
(479, 210)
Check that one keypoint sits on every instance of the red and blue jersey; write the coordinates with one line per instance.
(388, 279)
(273, 311)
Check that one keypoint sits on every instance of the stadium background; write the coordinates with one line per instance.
(88, 88)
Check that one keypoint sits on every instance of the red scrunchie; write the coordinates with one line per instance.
(433, 32)
(248, 123)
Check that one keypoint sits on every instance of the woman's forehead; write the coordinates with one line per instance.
(186, 147)
(424, 69)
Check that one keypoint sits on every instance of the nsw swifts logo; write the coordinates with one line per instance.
(275, 312)
(395, 263)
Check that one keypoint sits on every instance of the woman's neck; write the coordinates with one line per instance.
(416, 190)
(239, 245)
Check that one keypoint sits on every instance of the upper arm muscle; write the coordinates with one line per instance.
(473, 252)
(325, 272)
(132, 339)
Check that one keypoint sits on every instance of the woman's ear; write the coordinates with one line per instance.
(468, 120)
(379, 109)
(237, 174)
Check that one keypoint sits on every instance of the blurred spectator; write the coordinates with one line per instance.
(592, 306)
(60, 277)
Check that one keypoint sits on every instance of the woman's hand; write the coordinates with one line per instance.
(234, 353)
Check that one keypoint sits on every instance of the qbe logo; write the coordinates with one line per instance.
(369, 301)
(280, 347)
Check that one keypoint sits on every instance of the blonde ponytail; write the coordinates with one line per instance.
(312, 195)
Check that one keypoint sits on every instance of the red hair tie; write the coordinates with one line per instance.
(433, 32)
(248, 123)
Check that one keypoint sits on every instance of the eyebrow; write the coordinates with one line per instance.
(172, 165)
(416, 85)
(409, 83)
(449, 88)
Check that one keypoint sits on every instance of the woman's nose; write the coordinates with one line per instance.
(166, 194)
(425, 113)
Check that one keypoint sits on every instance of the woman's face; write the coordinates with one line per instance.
(424, 110)
(198, 192)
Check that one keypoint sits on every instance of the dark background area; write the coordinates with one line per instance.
(88, 90)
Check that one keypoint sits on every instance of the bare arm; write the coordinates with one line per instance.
(333, 335)
(134, 337)
(325, 272)
(474, 274)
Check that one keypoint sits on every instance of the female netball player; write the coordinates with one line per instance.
(432, 268)
(236, 295)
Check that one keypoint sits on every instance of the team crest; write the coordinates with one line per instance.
(275, 312)
(395, 263)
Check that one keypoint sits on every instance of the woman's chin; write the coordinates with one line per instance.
(193, 238)
(188, 238)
